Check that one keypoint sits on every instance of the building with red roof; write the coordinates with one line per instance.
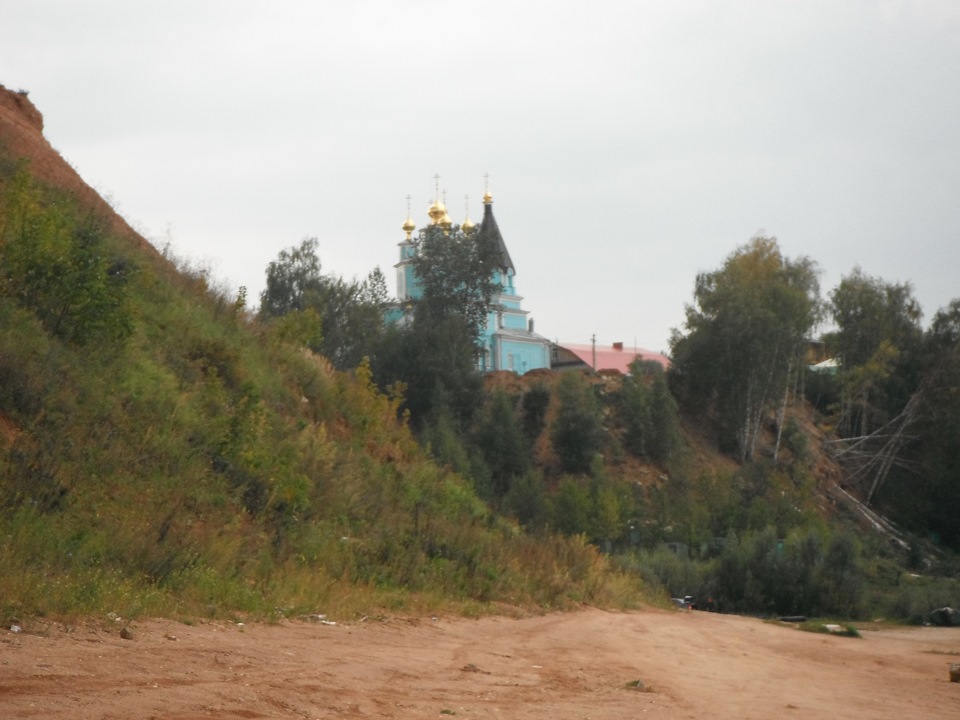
(573, 356)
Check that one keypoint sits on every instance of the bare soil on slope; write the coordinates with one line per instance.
(583, 664)
(21, 136)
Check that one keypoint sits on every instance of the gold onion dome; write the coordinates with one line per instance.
(487, 198)
(445, 221)
(436, 212)
(467, 226)
(409, 226)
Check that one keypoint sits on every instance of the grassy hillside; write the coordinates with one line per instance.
(161, 453)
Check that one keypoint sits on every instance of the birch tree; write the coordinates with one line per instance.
(878, 330)
(746, 329)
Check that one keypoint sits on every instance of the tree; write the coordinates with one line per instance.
(869, 311)
(527, 501)
(576, 431)
(293, 280)
(455, 270)
(374, 289)
(499, 438)
(919, 448)
(665, 437)
(435, 362)
(649, 412)
(350, 313)
(878, 326)
(938, 453)
(746, 330)
(635, 411)
(570, 507)
(534, 406)
(436, 354)
(878, 340)
(352, 321)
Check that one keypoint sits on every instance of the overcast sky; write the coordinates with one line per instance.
(629, 145)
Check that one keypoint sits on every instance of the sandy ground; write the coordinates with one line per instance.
(571, 665)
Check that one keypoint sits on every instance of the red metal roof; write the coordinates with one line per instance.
(614, 357)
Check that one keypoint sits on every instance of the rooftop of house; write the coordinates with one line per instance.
(613, 357)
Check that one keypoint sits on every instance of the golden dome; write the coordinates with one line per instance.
(487, 198)
(467, 225)
(436, 212)
(445, 221)
(409, 226)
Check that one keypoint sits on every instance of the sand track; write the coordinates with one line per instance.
(570, 665)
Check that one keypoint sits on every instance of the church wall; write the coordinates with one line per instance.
(522, 357)
(514, 320)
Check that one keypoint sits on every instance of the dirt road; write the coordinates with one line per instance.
(572, 665)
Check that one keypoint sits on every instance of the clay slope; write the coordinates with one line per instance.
(21, 136)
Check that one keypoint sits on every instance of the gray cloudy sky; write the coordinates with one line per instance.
(629, 144)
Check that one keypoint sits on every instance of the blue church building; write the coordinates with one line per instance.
(508, 341)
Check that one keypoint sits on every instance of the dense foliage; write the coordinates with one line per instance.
(877, 341)
(745, 338)
(455, 270)
(338, 319)
(433, 355)
(56, 264)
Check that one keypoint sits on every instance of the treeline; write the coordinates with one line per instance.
(892, 398)
(607, 458)
(537, 450)
(741, 362)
